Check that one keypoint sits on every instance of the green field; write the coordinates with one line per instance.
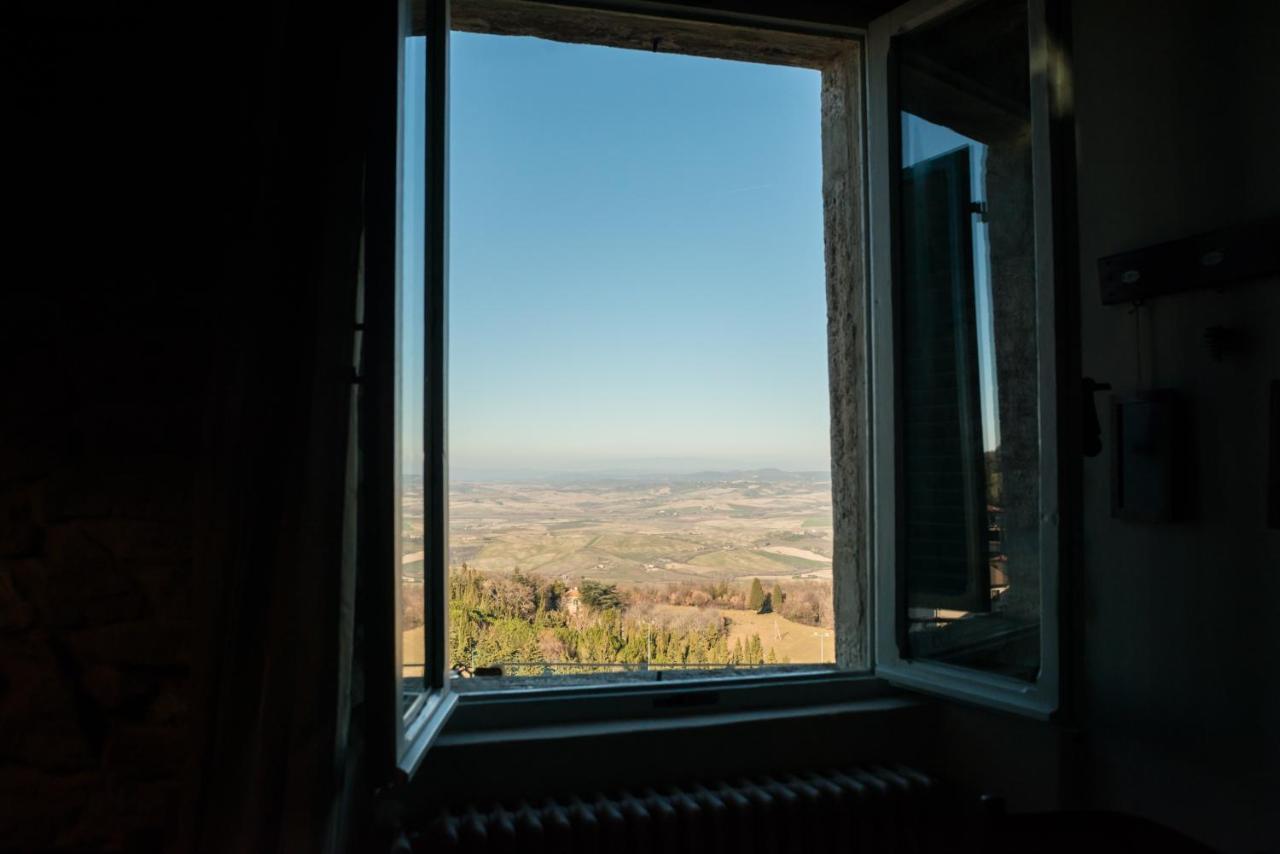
(750, 562)
(622, 554)
(801, 563)
(645, 547)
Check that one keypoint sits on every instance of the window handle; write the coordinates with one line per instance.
(1091, 429)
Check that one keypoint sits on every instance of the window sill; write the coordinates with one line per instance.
(632, 726)
(501, 753)
(562, 709)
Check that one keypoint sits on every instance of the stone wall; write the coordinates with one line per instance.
(95, 549)
(180, 194)
(1014, 315)
(846, 286)
(129, 181)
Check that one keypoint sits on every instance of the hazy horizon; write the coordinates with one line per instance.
(622, 469)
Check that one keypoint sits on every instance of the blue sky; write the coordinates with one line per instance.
(636, 261)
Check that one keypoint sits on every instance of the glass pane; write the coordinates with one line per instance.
(412, 367)
(968, 364)
(640, 436)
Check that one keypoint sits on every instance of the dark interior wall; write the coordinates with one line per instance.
(170, 176)
(1177, 123)
(170, 180)
(161, 154)
(845, 14)
(118, 181)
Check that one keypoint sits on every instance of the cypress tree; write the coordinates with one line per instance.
(755, 600)
(775, 598)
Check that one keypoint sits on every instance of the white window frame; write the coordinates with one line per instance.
(577, 705)
(725, 692)
(1040, 698)
(399, 737)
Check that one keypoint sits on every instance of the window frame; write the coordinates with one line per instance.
(870, 301)
(398, 737)
(702, 32)
(1042, 698)
(801, 44)
(428, 714)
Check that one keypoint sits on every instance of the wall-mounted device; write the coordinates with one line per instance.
(1152, 459)
(1212, 260)
(1273, 472)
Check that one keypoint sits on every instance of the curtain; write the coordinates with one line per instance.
(275, 753)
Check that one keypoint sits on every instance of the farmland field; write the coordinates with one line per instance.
(681, 552)
(790, 641)
(721, 525)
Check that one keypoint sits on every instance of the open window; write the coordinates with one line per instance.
(641, 480)
(822, 550)
(965, 486)
(941, 340)
(403, 454)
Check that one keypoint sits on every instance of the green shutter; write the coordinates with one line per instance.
(944, 499)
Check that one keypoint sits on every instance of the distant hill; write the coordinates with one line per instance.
(769, 475)
(624, 474)
(628, 480)
(723, 524)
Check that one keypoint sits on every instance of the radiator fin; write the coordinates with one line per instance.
(872, 808)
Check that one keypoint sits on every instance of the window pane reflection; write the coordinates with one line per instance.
(968, 365)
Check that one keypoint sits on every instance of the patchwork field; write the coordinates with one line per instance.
(728, 526)
(657, 538)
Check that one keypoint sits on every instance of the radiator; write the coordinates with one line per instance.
(866, 809)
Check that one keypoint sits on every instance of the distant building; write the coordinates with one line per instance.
(573, 601)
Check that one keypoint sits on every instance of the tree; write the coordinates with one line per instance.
(775, 598)
(599, 596)
(755, 600)
(549, 595)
